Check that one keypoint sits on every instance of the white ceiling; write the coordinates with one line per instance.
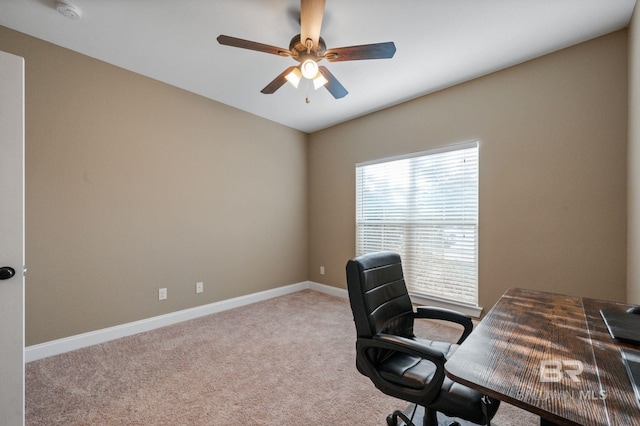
(439, 43)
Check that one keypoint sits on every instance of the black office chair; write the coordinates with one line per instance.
(397, 362)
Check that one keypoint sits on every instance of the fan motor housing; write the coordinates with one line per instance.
(299, 50)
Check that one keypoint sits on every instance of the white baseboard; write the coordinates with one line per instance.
(328, 289)
(67, 344)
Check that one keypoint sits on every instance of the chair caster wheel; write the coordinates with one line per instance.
(392, 419)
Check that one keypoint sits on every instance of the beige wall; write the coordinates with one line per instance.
(552, 138)
(633, 244)
(133, 185)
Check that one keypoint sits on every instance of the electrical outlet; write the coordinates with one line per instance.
(322, 270)
(162, 294)
(199, 287)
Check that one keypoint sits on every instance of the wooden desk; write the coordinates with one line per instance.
(502, 358)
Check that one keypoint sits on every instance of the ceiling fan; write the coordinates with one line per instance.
(308, 48)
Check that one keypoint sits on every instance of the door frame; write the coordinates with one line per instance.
(12, 382)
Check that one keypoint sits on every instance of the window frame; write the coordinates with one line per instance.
(471, 308)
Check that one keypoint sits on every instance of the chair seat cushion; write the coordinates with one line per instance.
(412, 371)
(406, 370)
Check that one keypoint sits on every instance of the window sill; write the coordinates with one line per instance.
(421, 300)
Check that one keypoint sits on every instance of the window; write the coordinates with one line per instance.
(425, 207)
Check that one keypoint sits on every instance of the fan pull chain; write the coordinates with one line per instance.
(307, 100)
(309, 44)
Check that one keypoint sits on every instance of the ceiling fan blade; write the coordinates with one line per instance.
(333, 85)
(252, 45)
(364, 51)
(311, 12)
(277, 82)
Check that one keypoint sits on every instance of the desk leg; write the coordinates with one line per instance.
(545, 422)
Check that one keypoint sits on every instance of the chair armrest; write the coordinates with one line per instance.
(433, 312)
(409, 346)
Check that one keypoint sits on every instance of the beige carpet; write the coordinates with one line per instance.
(284, 361)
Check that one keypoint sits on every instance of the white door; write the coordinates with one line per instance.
(11, 240)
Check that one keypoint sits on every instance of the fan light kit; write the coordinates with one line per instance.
(69, 10)
(308, 48)
(309, 69)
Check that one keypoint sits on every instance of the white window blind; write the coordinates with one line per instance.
(424, 207)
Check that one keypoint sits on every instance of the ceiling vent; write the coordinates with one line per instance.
(68, 10)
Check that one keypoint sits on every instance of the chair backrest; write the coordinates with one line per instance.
(378, 295)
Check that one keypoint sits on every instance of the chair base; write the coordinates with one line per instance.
(442, 419)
